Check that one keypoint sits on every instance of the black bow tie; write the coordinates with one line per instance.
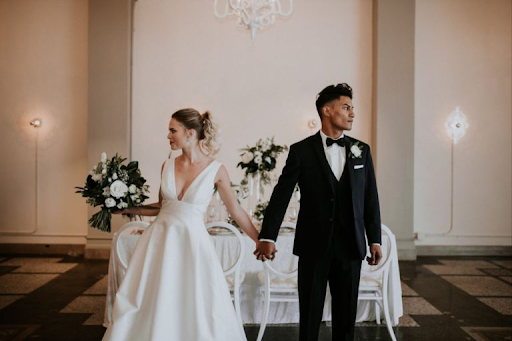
(340, 142)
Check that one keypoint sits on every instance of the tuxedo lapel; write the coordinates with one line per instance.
(349, 162)
(320, 153)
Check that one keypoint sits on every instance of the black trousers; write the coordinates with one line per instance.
(343, 275)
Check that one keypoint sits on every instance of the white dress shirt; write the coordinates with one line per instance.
(335, 154)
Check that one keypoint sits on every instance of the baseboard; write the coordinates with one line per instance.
(96, 253)
(459, 250)
(98, 248)
(73, 250)
(406, 249)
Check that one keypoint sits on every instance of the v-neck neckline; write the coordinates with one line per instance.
(193, 181)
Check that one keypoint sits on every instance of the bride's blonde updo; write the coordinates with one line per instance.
(203, 125)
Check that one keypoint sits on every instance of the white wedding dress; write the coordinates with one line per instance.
(174, 288)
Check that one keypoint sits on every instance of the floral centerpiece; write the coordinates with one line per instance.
(260, 160)
(259, 211)
(114, 187)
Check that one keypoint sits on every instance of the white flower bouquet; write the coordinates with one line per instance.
(114, 187)
(261, 158)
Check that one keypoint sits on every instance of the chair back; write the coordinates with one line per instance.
(273, 270)
(388, 248)
(233, 272)
(124, 245)
(236, 266)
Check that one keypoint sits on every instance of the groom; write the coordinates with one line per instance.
(339, 203)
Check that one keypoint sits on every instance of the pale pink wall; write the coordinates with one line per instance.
(184, 56)
(43, 68)
(463, 58)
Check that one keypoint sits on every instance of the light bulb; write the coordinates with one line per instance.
(312, 124)
(36, 122)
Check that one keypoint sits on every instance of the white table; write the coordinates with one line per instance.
(251, 298)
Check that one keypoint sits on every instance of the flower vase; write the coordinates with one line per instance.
(255, 191)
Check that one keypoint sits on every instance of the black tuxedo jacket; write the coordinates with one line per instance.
(307, 165)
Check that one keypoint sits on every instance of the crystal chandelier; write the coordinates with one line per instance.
(253, 14)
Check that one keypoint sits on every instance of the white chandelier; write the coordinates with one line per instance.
(253, 14)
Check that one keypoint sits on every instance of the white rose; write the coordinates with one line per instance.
(132, 189)
(122, 205)
(134, 197)
(103, 157)
(355, 151)
(109, 202)
(247, 157)
(104, 171)
(257, 153)
(258, 159)
(118, 189)
(114, 176)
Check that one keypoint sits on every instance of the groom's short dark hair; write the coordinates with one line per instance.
(331, 93)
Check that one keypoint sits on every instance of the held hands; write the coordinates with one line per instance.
(265, 250)
(376, 255)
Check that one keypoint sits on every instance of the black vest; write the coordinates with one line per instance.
(343, 240)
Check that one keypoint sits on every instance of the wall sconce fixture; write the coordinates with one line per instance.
(36, 122)
(253, 14)
(456, 125)
(312, 124)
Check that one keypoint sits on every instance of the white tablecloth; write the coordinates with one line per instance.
(251, 298)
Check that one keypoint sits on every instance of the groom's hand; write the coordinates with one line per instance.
(376, 255)
(265, 250)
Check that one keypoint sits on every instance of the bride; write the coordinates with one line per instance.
(174, 288)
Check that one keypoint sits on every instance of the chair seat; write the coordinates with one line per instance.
(369, 281)
(230, 279)
(276, 282)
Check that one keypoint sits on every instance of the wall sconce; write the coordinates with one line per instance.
(312, 124)
(456, 125)
(36, 122)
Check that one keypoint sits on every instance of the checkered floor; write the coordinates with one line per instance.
(445, 298)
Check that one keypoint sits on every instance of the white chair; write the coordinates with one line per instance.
(122, 253)
(233, 273)
(374, 282)
(278, 287)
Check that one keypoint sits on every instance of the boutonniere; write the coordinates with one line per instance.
(356, 151)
